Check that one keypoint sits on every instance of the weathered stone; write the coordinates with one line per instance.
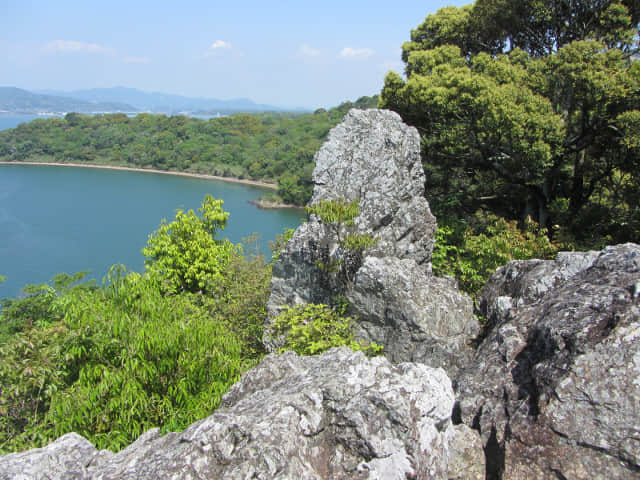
(555, 386)
(375, 158)
(66, 458)
(416, 317)
(466, 460)
(338, 415)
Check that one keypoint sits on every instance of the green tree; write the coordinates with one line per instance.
(472, 254)
(545, 130)
(185, 254)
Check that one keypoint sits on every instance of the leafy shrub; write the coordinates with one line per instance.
(113, 361)
(137, 359)
(185, 254)
(38, 306)
(338, 216)
(311, 329)
(31, 371)
(471, 257)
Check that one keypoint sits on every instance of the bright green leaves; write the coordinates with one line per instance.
(185, 255)
(448, 26)
(139, 352)
(339, 216)
(30, 374)
(140, 359)
(471, 256)
(335, 212)
(312, 329)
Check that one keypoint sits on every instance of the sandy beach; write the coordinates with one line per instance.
(257, 183)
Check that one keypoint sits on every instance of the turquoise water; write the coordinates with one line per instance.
(66, 219)
(12, 121)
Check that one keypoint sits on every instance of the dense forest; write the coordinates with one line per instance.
(529, 109)
(529, 114)
(272, 147)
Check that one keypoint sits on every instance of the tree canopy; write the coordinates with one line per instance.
(528, 109)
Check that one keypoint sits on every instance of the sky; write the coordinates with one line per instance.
(284, 53)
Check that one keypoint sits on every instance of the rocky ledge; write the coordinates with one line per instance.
(339, 415)
(554, 388)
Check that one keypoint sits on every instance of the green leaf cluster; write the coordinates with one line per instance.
(110, 362)
(528, 109)
(185, 255)
(472, 253)
(339, 215)
(314, 328)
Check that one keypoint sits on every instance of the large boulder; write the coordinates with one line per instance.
(373, 157)
(339, 415)
(554, 388)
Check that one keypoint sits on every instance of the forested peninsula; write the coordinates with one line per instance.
(274, 148)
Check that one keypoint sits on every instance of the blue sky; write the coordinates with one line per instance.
(288, 53)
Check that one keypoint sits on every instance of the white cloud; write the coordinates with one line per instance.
(217, 47)
(356, 53)
(219, 44)
(72, 46)
(307, 51)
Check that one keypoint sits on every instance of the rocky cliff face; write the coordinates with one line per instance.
(375, 158)
(555, 387)
(339, 415)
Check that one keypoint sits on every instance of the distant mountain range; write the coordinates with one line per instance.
(18, 101)
(120, 99)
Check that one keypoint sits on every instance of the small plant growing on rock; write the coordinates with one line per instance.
(338, 216)
(311, 329)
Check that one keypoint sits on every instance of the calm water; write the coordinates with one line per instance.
(65, 219)
(12, 121)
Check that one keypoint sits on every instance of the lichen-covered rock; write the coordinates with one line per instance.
(66, 458)
(373, 157)
(426, 318)
(555, 386)
(466, 456)
(339, 415)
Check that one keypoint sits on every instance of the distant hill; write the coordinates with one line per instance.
(166, 103)
(16, 100)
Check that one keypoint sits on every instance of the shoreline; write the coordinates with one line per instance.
(255, 183)
(262, 205)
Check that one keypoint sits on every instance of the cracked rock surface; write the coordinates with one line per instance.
(338, 415)
(555, 386)
(373, 157)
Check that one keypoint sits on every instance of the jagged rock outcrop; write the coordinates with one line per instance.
(555, 386)
(374, 157)
(338, 415)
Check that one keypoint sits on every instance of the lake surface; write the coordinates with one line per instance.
(12, 121)
(65, 219)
